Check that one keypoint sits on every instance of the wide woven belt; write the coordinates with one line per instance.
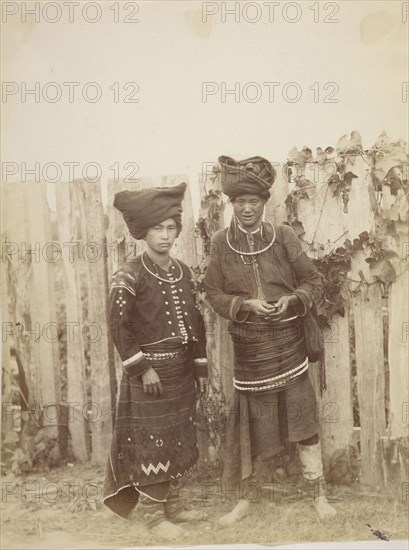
(163, 356)
(264, 322)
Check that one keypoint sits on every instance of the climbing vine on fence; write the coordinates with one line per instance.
(209, 222)
(387, 161)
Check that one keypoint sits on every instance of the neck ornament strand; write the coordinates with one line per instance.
(157, 276)
(256, 252)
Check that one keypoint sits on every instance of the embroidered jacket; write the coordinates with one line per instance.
(144, 310)
(281, 270)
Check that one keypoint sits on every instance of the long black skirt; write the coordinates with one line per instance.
(154, 439)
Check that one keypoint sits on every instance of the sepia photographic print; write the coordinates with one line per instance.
(204, 274)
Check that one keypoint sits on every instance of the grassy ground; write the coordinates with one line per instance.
(50, 511)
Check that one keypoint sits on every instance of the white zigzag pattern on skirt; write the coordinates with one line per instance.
(155, 469)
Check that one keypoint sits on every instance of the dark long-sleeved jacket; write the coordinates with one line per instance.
(144, 310)
(282, 270)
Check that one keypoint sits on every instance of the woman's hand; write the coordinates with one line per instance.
(202, 386)
(258, 307)
(151, 382)
(281, 307)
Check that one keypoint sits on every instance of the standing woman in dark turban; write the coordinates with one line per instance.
(259, 278)
(158, 331)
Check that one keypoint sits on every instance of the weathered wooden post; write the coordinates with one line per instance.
(323, 223)
(76, 368)
(367, 306)
(103, 382)
(16, 312)
(395, 206)
(219, 346)
(367, 311)
(45, 354)
(7, 293)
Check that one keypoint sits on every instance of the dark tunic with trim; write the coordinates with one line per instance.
(153, 324)
(266, 353)
(283, 269)
(144, 310)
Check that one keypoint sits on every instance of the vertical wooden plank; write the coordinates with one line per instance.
(42, 304)
(102, 372)
(17, 315)
(7, 414)
(367, 306)
(8, 326)
(336, 409)
(219, 345)
(398, 317)
(368, 322)
(324, 222)
(398, 345)
(26, 316)
(76, 375)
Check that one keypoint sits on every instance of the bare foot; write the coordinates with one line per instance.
(167, 531)
(324, 509)
(239, 511)
(190, 515)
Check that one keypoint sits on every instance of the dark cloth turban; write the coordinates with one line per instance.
(253, 175)
(145, 208)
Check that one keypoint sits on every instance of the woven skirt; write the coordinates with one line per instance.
(154, 438)
(274, 401)
(268, 355)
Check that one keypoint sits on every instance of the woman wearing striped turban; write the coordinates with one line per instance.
(259, 278)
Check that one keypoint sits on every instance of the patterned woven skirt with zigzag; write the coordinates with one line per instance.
(154, 438)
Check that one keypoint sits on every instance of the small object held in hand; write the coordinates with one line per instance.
(273, 303)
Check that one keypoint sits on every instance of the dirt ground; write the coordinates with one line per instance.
(62, 508)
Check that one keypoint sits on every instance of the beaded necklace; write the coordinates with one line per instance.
(170, 281)
(256, 252)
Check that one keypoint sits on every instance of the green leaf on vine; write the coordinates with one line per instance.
(300, 157)
(382, 270)
(349, 146)
(298, 228)
(386, 160)
(389, 159)
(340, 185)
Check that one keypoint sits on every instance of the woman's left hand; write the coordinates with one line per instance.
(281, 307)
(202, 386)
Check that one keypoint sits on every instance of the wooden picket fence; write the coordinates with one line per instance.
(370, 306)
(56, 268)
